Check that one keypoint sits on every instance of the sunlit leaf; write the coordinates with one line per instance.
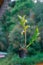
(34, 37)
(22, 20)
(19, 17)
(26, 27)
(22, 32)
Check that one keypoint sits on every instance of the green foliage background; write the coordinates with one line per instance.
(10, 32)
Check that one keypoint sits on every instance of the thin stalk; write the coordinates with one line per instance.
(28, 45)
(25, 38)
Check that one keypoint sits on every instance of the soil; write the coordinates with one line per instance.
(22, 52)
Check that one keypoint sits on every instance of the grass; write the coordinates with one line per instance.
(15, 60)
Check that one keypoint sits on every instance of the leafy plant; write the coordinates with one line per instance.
(24, 26)
(23, 22)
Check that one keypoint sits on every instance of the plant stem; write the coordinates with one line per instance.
(28, 45)
(25, 38)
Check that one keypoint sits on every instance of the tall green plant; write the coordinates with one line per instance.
(25, 27)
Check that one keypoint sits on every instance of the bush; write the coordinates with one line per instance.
(15, 60)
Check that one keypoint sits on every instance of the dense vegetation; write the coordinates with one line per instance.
(10, 32)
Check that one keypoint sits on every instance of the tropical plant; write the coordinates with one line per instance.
(24, 26)
(23, 22)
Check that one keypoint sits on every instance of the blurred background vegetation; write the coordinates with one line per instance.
(10, 36)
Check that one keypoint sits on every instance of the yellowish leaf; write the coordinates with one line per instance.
(26, 27)
(22, 32)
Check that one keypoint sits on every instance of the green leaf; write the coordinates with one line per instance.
(26, 27)
(34, 37)
(22, 20)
